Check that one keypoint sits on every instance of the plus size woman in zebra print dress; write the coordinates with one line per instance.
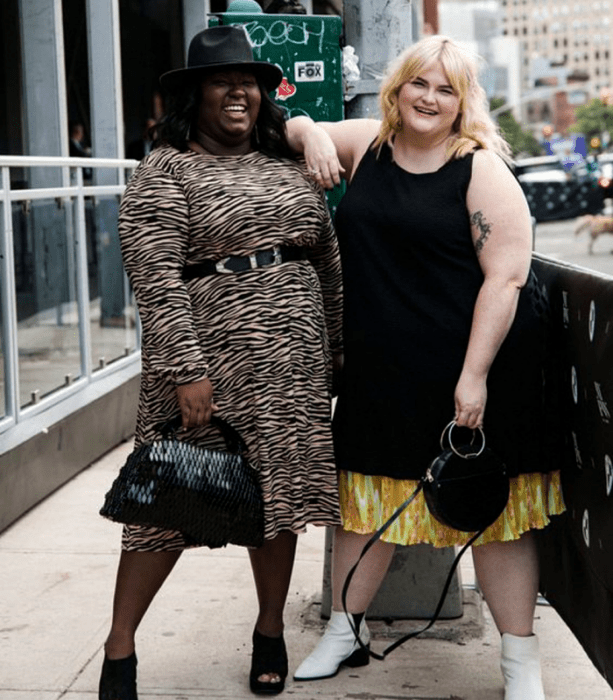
(255, 345)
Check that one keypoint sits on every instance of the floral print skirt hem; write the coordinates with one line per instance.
(367, 502)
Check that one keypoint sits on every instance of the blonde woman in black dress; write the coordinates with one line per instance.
(232, 257)
(435, 237)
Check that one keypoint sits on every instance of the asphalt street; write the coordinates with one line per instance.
(557, 239)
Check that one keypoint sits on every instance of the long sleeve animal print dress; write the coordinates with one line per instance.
(264, 337)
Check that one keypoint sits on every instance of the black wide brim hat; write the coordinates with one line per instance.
(225, 47)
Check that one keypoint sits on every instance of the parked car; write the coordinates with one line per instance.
(541, 169)
(555, 192)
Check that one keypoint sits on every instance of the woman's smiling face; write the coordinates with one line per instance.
(428, 104)
(229, 107)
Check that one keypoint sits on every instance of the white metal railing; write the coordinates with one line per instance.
(72, 192)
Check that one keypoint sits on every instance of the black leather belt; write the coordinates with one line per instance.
(241, 263)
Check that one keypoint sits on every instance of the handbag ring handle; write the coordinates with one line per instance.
(467, 455)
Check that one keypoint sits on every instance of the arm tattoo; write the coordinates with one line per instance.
(478, 221)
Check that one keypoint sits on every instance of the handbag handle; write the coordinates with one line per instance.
(234, 441)
(465, 455)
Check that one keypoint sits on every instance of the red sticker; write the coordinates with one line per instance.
(285, 90)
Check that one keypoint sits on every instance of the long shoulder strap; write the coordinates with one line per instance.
(376, 536)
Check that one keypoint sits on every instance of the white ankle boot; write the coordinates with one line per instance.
(338, 647)
(521, 668)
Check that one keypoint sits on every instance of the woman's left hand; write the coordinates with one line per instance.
(196, 403)
(470, 398)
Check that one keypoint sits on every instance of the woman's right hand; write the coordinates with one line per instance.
(321, 157)
(196, 403)
(470, 398)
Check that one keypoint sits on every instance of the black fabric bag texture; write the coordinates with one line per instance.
(212, 497)
(466, 487)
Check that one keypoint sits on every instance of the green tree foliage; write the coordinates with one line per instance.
(521, 141)
(593, 118)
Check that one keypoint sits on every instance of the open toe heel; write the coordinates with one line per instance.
(118, 679)
(269, 657)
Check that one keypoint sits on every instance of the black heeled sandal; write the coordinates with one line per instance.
(269, 657)
(118, 679)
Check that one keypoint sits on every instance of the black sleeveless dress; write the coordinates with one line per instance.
(411, 278)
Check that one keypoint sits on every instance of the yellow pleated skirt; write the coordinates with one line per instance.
(367, 502)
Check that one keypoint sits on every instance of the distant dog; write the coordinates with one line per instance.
(596, 225)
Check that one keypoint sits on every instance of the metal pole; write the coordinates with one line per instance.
(107, 142)
(378, 34)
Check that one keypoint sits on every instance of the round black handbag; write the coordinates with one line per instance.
(466, 487)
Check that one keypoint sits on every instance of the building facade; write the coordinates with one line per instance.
(573, 36)
(566, 57)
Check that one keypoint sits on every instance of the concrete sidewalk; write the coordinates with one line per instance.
(57, 569)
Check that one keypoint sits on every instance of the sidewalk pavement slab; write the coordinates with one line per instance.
(57, 571)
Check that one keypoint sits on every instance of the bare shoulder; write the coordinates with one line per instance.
(484, 160)
(492, 179)
(490, 169)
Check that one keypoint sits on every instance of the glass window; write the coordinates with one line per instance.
(112, 308)
(49, 352)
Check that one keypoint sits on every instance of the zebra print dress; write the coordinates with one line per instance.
(263, 337)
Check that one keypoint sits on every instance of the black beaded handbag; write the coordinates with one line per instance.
(212, 497)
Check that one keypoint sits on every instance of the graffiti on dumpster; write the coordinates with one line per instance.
(280, 33)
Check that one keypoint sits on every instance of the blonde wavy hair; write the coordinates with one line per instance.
(474, 128)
